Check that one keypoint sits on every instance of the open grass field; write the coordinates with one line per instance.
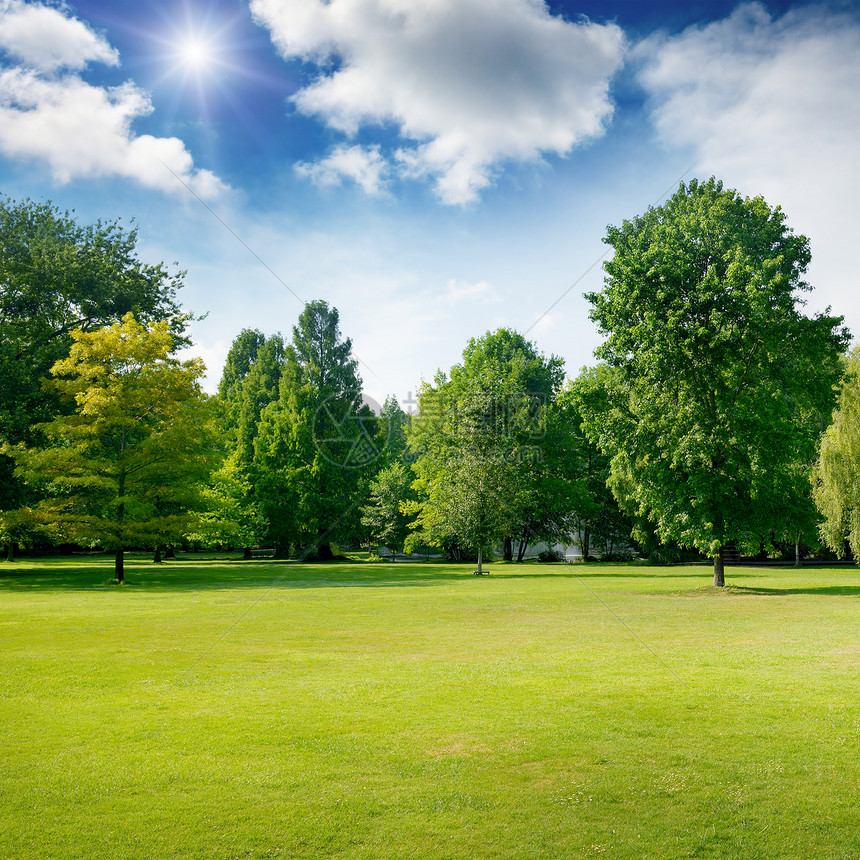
(221, 709)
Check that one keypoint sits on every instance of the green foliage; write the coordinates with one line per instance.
(240, 359)
(475, 442)
(836, 477)
(390, 441)
(597, 521)
(230, 516)
(125, 468)
(720, 382)
(315, 441)
(250, 382)
(258, 388)
(384, 512)
(57, 276)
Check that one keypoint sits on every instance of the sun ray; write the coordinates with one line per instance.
(197, 52)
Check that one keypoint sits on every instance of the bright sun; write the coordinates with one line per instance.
(196, 53)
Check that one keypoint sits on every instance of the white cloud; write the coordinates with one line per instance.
(43, 38)
(544, 324)
(457, 292)
(82, 131)
(363, 165)
(771, 106)
(468, 84)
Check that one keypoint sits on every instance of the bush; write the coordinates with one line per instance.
(664, 555)
(625, 555)
(550, 555)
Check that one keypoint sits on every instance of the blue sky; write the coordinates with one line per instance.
(432, 168)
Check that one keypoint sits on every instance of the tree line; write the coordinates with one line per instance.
(719, 414)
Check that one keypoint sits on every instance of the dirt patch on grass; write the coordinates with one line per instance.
(459, 748)
(711, 591)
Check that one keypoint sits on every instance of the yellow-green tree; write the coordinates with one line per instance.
(836, 476)
(126, 467)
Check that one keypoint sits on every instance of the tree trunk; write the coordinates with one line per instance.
(508, 553)
(586, 544)
(480, 570)
(521, 551)
(156, 559)
(797, 551)
(324, 552)
(10, 551)
(170, 552)
(719, 570)
(246, 554)
(119, 561)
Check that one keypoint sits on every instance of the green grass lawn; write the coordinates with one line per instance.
(221, 709)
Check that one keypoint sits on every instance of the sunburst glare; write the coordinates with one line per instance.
(197, 53)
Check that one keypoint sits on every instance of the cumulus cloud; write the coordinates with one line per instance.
(43, 38)
(80, 130)
(468, 85)
(770, 105)
(362, 165)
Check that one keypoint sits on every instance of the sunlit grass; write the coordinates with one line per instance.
(221, 709)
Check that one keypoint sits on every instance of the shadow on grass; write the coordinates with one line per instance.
(87, 573)
(75, 573)
(821, 591)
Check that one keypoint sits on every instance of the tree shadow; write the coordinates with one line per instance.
(218, 575)
(820, 591)
(73, 574)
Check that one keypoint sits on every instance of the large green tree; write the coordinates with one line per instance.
(468, 473)
(249, 383)
(478, 442)
(316, 440)
(127, 466)
(720, 375)
(56, 276)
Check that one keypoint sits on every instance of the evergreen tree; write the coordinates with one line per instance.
(316, 440)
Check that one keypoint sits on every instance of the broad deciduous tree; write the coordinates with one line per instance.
(126, 467)
(477, 443)
(56, 276)
(720, 374)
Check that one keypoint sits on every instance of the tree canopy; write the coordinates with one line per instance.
(836, 477)
(126, 467)
(476, 443)
(315, 440)
(720, 376)
(56, 276)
